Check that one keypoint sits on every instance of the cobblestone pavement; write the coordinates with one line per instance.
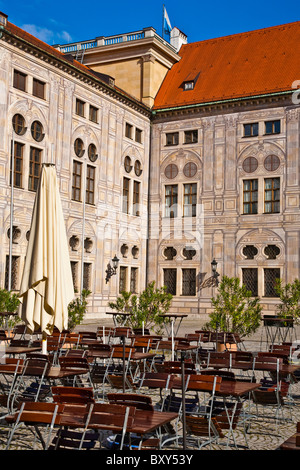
(262, 434)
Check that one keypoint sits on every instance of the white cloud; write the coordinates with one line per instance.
(47, 35)
(43, 34)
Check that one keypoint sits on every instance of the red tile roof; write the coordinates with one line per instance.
(247, 64)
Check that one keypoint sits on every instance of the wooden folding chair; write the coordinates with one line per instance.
(36, 415)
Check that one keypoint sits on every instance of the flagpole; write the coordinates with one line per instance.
(163, 19)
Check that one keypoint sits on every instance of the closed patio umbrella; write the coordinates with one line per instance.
(47, 284)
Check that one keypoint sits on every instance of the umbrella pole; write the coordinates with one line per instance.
(44, 343)
(183, 401)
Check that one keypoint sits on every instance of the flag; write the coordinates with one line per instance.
(166, 24)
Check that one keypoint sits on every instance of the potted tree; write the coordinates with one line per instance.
(146, 308)
(9, 303)
(77, 309)
(234, 309)
(289, 295)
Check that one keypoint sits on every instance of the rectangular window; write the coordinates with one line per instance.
(170, 280)
(272, 127)
(123, 279)
(270, 277)
(250, 196)
(272, 195)
(125, 202)
(189, 282)
(76, 182)
(20, 80)
(93, 116)
(136, 198)
(191, 137)
(38, 88)
(171, 199)
(80, 107)
(18, 164)
(190, 200)
(74, 269)
(250, 280)
(15, 265)
(34, 168)
(251, 130)
(90, 184)
(133, 280)
(172, 138)
(87, 274)
(138, 135)
(128, 130)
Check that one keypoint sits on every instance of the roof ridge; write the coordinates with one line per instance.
(243, 33)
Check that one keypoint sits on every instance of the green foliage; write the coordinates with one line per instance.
(9, 302)
(289, 295)
(77, 309)
(145, 308)
(234, 309)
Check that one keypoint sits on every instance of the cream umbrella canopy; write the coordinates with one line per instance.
(47, 284)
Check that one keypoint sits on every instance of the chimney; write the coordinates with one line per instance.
(3, 19)
(177, 38)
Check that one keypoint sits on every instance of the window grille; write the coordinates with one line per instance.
(189, 282)
(270, 276)
(250, 251)
(250, 280)
(170, 280)
(272, 251)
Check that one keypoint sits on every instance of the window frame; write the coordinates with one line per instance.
(251, 191)
(136, 198)
(18, 163)
(33, 178)
(273, 201)
(172, 139)
(252, 126)
(38, 88)
(90, 184)
(93, 114)
(76, 177)
(193, 133)
(191, 206)
(273, 123)
(20, 80)
(80, 107)
(170, 201)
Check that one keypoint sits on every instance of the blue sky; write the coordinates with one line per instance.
(59, 22)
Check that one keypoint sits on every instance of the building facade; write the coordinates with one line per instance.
(192, 155)
(54, 109)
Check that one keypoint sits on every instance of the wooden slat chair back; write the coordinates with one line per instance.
(78, 395)
(174, 367)
(203, 431)
(140, 401)
(207, 383)
(35, 413)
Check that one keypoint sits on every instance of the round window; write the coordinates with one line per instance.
(271, 163)
(127, 164)
(19, 124)
(79, 147)
(171, 171)
(92, 152)
(190, 169)
(37, 131)
(137, 168)
(250, 164)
